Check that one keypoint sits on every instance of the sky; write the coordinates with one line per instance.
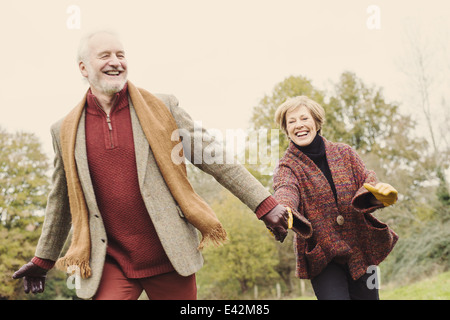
(219, 58)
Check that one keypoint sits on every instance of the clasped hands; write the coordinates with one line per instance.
(278, 221)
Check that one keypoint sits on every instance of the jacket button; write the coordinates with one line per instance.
(103, 240)
(340, 220)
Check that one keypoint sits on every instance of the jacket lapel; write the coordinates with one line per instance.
(82, 162)
(141, 145)
(339, 171)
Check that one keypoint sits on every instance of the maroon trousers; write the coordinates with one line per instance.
(114, 285)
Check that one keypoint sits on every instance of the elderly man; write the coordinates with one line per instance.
(133, 212)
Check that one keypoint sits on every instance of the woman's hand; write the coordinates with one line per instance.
(383, 192)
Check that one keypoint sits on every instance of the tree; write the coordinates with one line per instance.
(24, 185)
(424, 247)
(23, 177)
(426, 67)
(247, 259)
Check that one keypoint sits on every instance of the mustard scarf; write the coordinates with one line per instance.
(158, 125)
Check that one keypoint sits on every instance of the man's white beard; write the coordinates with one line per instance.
(109, 89)
(104, 86)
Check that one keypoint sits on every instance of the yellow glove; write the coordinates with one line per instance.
(290, 219)
(383, 192)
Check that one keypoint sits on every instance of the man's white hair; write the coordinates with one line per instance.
(83, 48)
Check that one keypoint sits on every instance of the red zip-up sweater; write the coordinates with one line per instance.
(132, 239)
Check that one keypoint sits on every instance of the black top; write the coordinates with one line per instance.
(316, 152)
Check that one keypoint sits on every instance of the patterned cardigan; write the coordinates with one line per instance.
(356, 238)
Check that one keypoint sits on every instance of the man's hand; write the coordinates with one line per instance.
(276, 221)
(34, 277)
(383, 192)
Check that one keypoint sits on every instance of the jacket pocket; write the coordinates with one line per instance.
(316, 260)
(381, 239)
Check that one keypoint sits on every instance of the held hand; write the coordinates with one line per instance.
(277, 221)
(383, 192)
(290, 221)
(34, 277)
(290, 218)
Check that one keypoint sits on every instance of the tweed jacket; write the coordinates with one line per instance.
(359, 239)
(178, 237)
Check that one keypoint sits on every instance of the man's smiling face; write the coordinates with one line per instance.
(104, 64)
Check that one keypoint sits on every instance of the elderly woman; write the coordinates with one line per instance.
(331, 195)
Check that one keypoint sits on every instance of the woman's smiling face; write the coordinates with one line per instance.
(300, 126)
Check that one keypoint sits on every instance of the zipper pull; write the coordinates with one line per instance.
(108, 120)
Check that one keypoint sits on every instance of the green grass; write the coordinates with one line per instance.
(433, 288)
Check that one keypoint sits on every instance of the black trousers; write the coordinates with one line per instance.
(336, 283)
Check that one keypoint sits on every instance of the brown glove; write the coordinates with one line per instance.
(276, 221)
(34, 277)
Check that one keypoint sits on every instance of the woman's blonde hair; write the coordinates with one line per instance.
(317, 111)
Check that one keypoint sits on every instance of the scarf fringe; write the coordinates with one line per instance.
(64, 263)
(217, 236)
